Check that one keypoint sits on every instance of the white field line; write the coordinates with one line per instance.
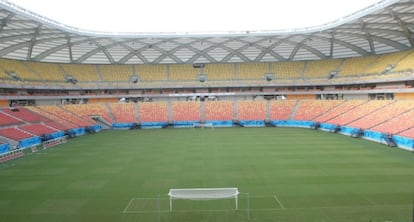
(279, 202)
(129, 204)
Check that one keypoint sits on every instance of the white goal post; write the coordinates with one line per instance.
(204, 194)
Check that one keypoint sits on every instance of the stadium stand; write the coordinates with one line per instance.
(25, 115)
(385, 60)
(310, 109)
(359, 112)
(382, 114)
(116, 73)
(186, 111)
(87, 111)
(287, 70)
(341, 109)
(153, 112)
(321, 68)
(252, 71)
(397, 124)
(218, 110)
(355, 66)
(56, 122)
(47, 71)
(38, 129)
(251, 110)
(219, 71)
(20, 68)
(281, 109)
(408, 133)
(61, 116)
(151, 72)
(81, 72)
(123, 112)
(183, 72)
(406, 63)
(15, 133)
(8, 119)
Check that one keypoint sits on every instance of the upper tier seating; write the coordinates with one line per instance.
(47, 71)
(356, 66)
(251, 110)
(219, 71)
(321, 68)
(218, 110)
(183, 72)
(385, 60)
(186, 111)
(81, 72)
(153, 112)
(406, 63)
(288, 70)
(151, 72)
(116, 73)
(20, 69)
(246, 71)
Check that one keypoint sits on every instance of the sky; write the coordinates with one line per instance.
(192, 15)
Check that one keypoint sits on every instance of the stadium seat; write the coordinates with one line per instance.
(186, 111)
(153, 112)
(251, 110)
(219, 110)
(281, 109)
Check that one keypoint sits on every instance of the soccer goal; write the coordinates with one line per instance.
(203, 125)
(204, 194)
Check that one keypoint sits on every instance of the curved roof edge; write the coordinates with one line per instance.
(39, 18)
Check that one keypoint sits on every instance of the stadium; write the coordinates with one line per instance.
(304, 124)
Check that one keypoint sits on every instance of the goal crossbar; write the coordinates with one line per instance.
(204, 194)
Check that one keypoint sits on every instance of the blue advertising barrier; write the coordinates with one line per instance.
(293, 123)
(328, 127)
(184, 124)
(51, 136)
(252, 123)
(153, 125)
(349, 130)
(404, 142)
(375, 136)
(95, 129)
(29, 142)
(123, 125)
(4, 148)
(77, 132)
(221, 123)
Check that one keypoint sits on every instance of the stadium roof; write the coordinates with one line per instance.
(383, 27)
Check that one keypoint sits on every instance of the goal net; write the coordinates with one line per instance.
(203, 125)
(204, 194)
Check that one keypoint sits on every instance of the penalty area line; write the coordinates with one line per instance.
(129, 204)
(279, 202)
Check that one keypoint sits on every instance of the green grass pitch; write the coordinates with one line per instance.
(290, 174)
